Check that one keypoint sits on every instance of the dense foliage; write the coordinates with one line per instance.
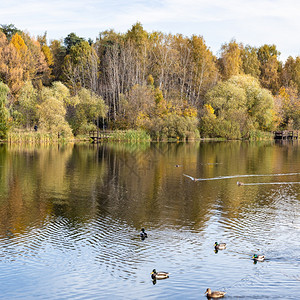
(171, 86)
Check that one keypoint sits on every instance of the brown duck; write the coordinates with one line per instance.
(215, 294)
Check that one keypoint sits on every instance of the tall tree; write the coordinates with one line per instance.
(11, 65)
(9, 30)
(231, 60)
(288, 108)
(250, 62)
(81, 67)
(36, 66)
(290, 75)
(204, 70)
(58, 52)
(71, 40)
(269, 67)
(45, 49)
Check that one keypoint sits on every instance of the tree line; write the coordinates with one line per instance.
(168, 85)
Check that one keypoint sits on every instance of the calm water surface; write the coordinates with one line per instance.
(70, 219)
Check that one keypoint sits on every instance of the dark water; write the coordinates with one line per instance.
(70, 219)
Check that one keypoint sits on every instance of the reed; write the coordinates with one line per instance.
(32, 137)
(258, 135)
(130, 135)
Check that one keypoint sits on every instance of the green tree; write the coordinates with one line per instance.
(28, 105)
(72, 40)
(85, 111)
(4, 123)
(9, 30)
(240, 106)
(259, 102)
(52, 110)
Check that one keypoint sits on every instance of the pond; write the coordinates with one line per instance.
(71, 218)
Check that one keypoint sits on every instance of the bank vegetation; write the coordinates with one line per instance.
(150, 84)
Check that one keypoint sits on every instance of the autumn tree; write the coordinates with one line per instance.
(290, 75)
(164, 60)
(140, 99)
(287, 105)
(36, 67)
(163, 120)
(138, 38)
(250, 62)
(21, 60)
(203, 69)
(58, 52)
(269, 67)
(48, 56)
(231, 59)
(121, 65)
(80, 68)
(11, 65)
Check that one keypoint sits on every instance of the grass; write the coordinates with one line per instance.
(34, 137)
(130, 136)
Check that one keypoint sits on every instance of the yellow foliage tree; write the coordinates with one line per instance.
(231, 59)
(287, 106)
(20, 45)
(11, 68)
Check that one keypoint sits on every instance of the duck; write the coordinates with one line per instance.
(215, 294)
(159, 275)
(143, 234)
(256, 257)
(239, 183)
(220, 246)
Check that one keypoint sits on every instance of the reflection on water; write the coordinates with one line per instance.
(71, 218)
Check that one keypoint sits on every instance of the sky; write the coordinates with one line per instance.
(251, 22)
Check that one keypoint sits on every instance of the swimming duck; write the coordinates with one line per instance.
(143, 234)
(239, 183)
(159, 275)
(220, 246)
(215, 294)
(256, 257)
